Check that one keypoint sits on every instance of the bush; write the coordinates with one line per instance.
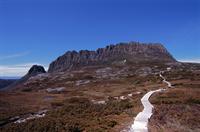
(57, 104)
(27, 90)
(193, 101)
(74, 128)
(75, 115)
(112, 123)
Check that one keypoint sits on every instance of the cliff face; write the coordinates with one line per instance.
(35, 70)
(132, 52)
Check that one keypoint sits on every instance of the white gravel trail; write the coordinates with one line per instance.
(141, 120)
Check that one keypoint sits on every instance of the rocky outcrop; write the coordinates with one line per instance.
(128, 52)
(34, 70)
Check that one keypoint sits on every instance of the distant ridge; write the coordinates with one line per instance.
(133, 52)
(10, 77)
(6, 82)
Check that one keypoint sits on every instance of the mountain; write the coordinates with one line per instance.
(132, 52)
(143, 57)
(34, 70)
(105, 87)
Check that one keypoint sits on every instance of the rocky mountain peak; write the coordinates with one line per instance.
(133, 52)
(35, 70)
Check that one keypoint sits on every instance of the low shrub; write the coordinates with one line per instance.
(75, 115)
(193, 101)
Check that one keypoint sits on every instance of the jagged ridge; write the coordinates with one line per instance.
(132, 52)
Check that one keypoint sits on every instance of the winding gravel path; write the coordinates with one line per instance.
(141, 121)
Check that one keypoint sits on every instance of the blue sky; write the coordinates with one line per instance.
(38, 31)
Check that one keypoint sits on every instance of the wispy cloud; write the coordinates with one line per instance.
(12, 56)
(195, 60)
(18, 69)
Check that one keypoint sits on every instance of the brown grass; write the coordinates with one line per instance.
(77, 114)
(176, 110)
